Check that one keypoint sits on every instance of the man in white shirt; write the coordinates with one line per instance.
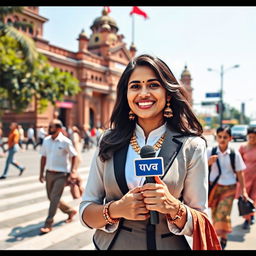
(56, 152)
(31, 137)
(41, 135)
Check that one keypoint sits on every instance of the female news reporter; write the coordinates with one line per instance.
(151, 108)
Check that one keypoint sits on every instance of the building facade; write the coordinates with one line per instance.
(98, 64)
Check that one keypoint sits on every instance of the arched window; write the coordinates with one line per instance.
(9, 21)
(16, 19)
(91, 117)
(31, 30)
(23, 27)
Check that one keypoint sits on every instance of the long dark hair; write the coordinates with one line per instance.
(224, 129)
(183, 121)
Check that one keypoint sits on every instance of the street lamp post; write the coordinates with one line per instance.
(221, 104)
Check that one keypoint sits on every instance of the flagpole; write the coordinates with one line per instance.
(132, 28)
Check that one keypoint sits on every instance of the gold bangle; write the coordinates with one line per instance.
(106, 215)
(179, 214)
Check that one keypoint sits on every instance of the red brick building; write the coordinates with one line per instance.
(185, 80)
(97, 64)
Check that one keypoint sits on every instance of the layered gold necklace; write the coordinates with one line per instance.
(136, 147)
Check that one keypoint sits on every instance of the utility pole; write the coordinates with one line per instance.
(221, 94)
(221, 72)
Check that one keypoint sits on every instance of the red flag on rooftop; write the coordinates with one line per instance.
(138, 11)
(107, 8)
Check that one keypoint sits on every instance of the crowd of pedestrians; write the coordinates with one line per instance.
(231, 175)
(84, 138)
(224, 173)
(60, 150)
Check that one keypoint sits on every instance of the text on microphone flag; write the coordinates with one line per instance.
(146, 167)
(149, 166)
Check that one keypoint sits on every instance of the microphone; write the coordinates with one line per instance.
(148, 151)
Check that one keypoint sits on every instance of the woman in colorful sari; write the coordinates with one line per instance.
(248, 153)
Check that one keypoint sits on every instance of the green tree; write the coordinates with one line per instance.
(26, 44)
(19, 85)
(233, 113)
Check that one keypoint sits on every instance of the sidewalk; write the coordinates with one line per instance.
(240, 239)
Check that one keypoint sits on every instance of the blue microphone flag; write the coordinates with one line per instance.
(148, 167)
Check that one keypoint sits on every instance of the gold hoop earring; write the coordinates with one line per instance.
(168, 113)
(131, 115)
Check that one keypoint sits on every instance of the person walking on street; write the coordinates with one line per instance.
(98, 134)
(76, 140)
(56, 117)
(56, 151)
(86, 138)
(224, 175)
(41, 135)
(248, 153)
(1, 140)
(93, 135)
(22, 137)
(13, 146)
(77, 143)
(151, 108)
(30, 137)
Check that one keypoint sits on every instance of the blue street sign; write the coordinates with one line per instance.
(212, 94)
(149, 166)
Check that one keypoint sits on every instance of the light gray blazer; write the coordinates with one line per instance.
(186, 175)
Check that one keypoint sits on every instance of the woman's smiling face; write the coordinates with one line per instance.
(146, 96)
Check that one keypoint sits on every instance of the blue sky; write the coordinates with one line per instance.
(200, 37)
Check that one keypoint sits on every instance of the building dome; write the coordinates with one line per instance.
(83, 34)
(185, 72)
(104, 19)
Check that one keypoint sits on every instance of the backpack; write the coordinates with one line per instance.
(232, 160)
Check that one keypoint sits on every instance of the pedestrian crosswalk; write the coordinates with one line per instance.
(23, 209)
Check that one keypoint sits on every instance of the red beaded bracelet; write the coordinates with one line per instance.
(106, 215)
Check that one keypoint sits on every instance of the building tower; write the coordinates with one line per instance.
(186, 82)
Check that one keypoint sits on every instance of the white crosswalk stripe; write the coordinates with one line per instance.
(24, 203)
(27, 196)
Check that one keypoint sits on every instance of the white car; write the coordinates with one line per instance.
(239, 131)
